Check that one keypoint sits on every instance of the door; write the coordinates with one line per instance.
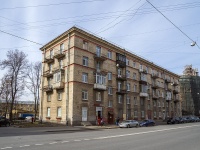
(84, 113)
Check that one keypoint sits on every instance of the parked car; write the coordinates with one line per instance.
(197, 119)
(147, 122)
(4, 121)
(174, 120)
(129, 124)
(28, 118)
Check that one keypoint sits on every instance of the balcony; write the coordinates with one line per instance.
(48, 73)
(175, 83)
(155, 75)
(155, 96)
(98, 86)
(100, 57)
(175, 91)
(59, 68)
(143, 81)
(143, 71)
(176, 99)
(142, 94)
(120, 91)
(168, 98)
(154, 86)
(120, 60)
(48, 59)
(121, 77)
(48, 88)
(59, 85)
(167, 80)
(59, 54)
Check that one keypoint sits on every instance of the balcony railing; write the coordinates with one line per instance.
(121, 91)
(175, 91)
(167, 80)
(155, 96)
(48, 59)
(58, 85)
(155, 85)
(59, 54)
(48, 88)
(175, 83)
(168, 98)
(143, 94)
(59, 68)
(154, 75)
(100, 57)
(176, 99)
(48, 73)
(121, 77)
(142, 70)
(98, 86)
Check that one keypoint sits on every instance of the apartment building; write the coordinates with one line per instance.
(86, 77)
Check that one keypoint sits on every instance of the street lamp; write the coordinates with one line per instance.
(193, 43)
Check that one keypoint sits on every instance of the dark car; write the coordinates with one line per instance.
(174, 120)
(4, 121)
(148, 122)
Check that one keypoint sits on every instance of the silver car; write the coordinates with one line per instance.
(129, 124)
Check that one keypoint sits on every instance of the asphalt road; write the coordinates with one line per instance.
(164, 137)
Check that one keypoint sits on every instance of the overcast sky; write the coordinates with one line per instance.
(133, 24)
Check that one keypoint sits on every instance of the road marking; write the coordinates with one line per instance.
(53, 143)
(86, 139)
(38, 144)
(77, 140)
(64, 141)
(6, 148)
(25, 146)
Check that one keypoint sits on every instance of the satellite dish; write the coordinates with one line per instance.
(193, 43)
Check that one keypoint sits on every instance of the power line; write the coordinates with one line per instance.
(52, 4)
(21, 38)
(173, 23)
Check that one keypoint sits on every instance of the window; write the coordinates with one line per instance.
(142, 114)
(60, 64)
(51, 53)
(128, 86)
(98, 51)
(134, 64)
(158, 104)
(127, 73)
(143, 77)
(48, 111)
(128, 100)
(163, 104)
(142, 102)
(110, 103)
(154, 103)
(109, 90)
(98, 65)
(85, 61)
(50, 68)
(85, 45)
(119, 99)
(84, 95)
(160, 114)
(98, 96)
(59, 112)
(57, 77)
(144, 88)
(109, 54)
(61, 47)
(135, 114)
(48, 97)
(59, 96)
(149, 106)
(85, 77)
(134, 88)
(147, 70)
(127, 62)
(135, 100)
(134, 76)
(100, 79)
(119, 72)
(109, 75)
(154, 114)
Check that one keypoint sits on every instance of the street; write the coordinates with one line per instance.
(163, 137)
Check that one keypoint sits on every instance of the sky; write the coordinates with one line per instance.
(135, 25)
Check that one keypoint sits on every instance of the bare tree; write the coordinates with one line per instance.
(5, 93)
(33, 82)
(16, 64)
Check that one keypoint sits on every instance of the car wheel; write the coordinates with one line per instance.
(137, 125)
(128, 126)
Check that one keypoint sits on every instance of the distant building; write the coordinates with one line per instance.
(190, 91)
(19, 108)
(86, 77)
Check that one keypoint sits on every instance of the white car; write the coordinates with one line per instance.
(28, 118)
(129, 124)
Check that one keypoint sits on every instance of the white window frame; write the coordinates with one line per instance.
(84, 95)
(119, 99)
(134, 76)
(154, 114)
(59, 111)
(85, 61)
(110, 92)
(110, 103)
(142, 114)
(135, 100)
(127, 73)
(57, 77)
(109, 55)
(48, 112)
(62, 47)
(98, 96)
(128, 100)
(85, 45)
(48, 97)
(134, 88)
(135, 114)
(59, 96)
(128, 86)
(85, 77)
(134, 64)
(109, 75)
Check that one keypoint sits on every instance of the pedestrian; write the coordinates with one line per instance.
(117, 121)
(102, 122)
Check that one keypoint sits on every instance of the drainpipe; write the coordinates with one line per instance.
(67, 81)
(41, 90)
